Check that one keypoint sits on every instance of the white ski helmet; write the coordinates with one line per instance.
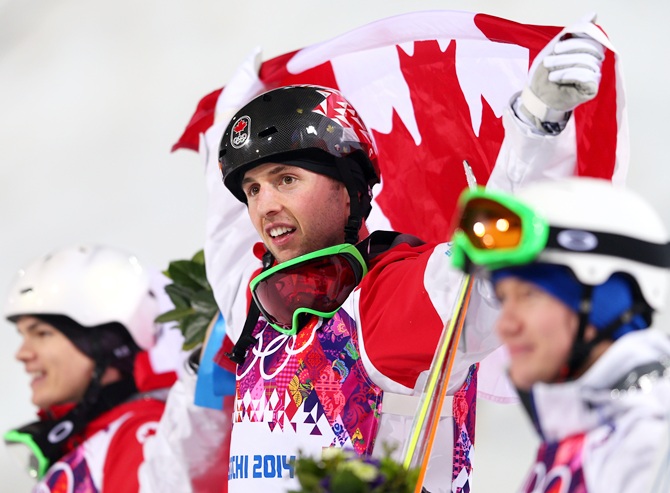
(588, 211)
(90, 284)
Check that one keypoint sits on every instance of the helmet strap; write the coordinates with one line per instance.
(359, 204)
(580, 349)
(101, 361)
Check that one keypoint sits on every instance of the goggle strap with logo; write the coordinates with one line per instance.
(610, 244)
(47, 439)
(239, 352)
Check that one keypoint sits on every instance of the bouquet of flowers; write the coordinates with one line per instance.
(343, 471)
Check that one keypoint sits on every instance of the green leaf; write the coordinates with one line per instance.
(194, 328)
(188, 274)
(192, 296)
(347, 482)
(174, 315)
(197, 273)
(188, 271)
(203, 302)
(199, 257)
(177, 298)
(180, 295)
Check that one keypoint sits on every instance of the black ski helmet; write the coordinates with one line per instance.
(312, 127)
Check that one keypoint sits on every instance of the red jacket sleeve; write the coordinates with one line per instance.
(399, 324)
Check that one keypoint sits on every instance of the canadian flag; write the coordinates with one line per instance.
(432, 87)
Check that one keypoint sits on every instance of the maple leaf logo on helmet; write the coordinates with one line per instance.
(340, 111)
(240, 134)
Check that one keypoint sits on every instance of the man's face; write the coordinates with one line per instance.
(59, 372)
(537, 329)
(295, 211)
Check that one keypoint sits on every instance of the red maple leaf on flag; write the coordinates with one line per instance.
(431, 87)
(432, 180)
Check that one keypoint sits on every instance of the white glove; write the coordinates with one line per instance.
(564, 75)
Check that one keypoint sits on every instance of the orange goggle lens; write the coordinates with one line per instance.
(496, 230)
(490, 225)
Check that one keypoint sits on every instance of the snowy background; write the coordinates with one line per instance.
(93, 95)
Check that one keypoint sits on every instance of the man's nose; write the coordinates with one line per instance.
(25, 352)
(268, 201)
(508, 322)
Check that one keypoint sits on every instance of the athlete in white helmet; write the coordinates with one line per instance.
(86, 316)
(579, 267)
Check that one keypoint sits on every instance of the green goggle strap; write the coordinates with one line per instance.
(534, 234)
(346, 249)
(39, 469)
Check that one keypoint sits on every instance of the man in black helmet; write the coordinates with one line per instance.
(326, 335)
(334, 339)
(336, 335)
(308, 131)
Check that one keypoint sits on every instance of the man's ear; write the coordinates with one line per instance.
(590, 333)
(347, 198)
(111, 375)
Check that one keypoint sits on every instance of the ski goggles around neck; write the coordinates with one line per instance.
(317, 283)
(26, 447)
(496, 230)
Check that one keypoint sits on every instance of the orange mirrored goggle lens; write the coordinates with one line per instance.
(489, 225)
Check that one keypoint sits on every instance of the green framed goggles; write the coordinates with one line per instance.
(496, 230)
(23, 445)
(317, 283)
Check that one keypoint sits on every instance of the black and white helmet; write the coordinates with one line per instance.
(310, 124)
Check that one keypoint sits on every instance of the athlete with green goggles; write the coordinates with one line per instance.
(579, 267)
